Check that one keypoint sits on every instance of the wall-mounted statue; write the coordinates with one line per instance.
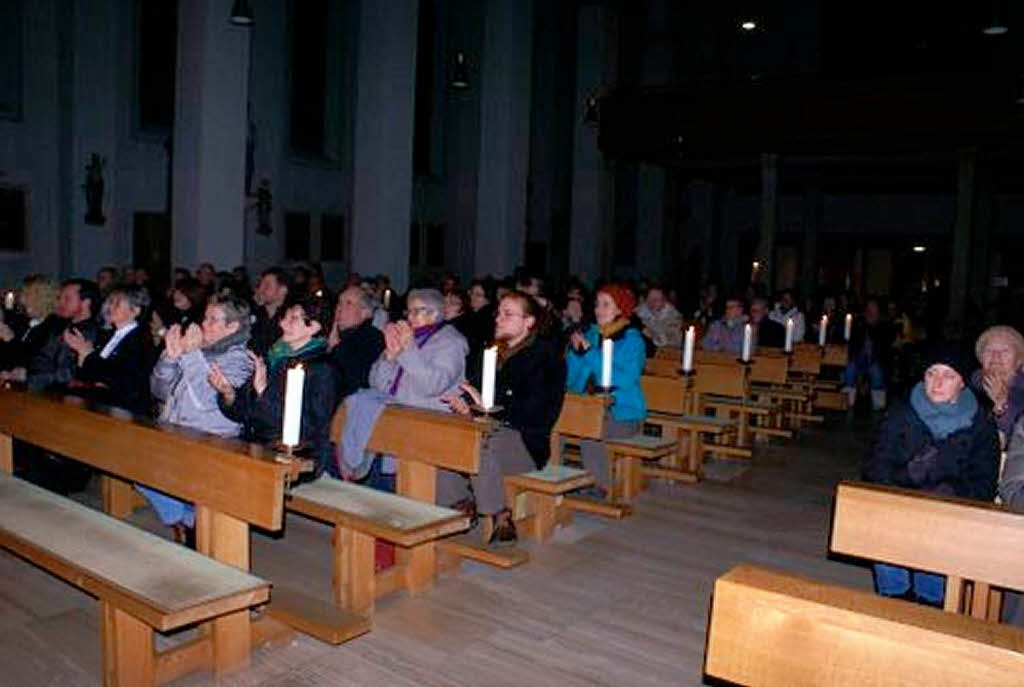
(93, 188)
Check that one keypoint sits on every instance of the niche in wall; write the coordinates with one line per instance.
(13, 218)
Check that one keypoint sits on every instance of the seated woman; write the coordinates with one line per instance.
(612, 310)
(117, 373)
(259, 405)
(941, 442)
(38, 298)
(423, 357)
(181, 382)
(529, 387)
(1000, 381)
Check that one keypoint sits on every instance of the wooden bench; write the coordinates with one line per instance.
(232, 484)
(143, 582)
(967, 541)
(424, 441)
(359, 515)
(538, 498)
(774, 629)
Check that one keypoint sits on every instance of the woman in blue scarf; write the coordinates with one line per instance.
(941, 442)
(259, 406)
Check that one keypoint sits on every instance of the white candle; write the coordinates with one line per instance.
(848, 327)
(490, 369)
(607, 351)
(294, 381)
(748, 340)
(821, 330)
(688, 349)
(789, 335)
(9, 300)
(387, 299)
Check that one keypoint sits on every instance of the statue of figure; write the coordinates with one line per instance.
(93, 187)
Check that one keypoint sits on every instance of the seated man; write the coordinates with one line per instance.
(726, 334)
(181, 381)
(767, 332)
(786, 310)
(354, 343)
(662, 322)
(870, 351)
(54, 366)
(529, 387)
(259, 406)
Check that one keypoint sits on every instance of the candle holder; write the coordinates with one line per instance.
(480, 410)
(687, 373)
(741, 361)
(605, 389)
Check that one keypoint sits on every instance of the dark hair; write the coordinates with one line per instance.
(87, 290)
(543, 320)
(463, 299)
(316, 309)
(280, 275)
(193, 291)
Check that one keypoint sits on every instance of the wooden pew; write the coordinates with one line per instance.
(774, 629)
(232, 484)
(359, 515)
(143, 582)
(967, 541)
(424, 441)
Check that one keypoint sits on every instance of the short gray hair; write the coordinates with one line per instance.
(429, 298)
(366, 301)
(234, 308)
(1000, 331)
(136, 296)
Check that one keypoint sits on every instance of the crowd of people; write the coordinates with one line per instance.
(212, 352)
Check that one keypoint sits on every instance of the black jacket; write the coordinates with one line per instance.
(965, 463)
(771, 334)
(530, 387)
(19, 351)
(358, 348)
(122, 379)
(55, 364)
(261, 416)
(265, 330)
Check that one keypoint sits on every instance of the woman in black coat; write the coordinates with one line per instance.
(943, 442)
(116, 373)
(259, 406)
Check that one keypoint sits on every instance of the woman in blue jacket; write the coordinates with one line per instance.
(612, 310)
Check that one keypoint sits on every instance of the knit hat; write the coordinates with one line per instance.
(623, 297)
(945, 354)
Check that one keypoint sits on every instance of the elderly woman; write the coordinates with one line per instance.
(117, 373)
(941, 442)
(1000, 381)
(613, 309)
(181, 381)
(423, 357)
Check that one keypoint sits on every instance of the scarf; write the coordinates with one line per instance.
(943, 419)
(420, 336)
(221, 346)
(505, 351)
(281, 352)
(612, 328)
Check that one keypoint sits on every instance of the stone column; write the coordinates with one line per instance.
(962, 231)
(210, 125)
(650, 220)
(592, 183)
(505, 93)
(812, 224)
(769, 218)
(385, 103)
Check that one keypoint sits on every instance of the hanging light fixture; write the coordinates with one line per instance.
(460, 73)
(241, 13)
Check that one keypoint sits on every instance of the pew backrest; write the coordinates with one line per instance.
(662, 367)
(431, 437)
(664, 394)
(729, 379)
(769, 369)
(776, 630)
(955, 537)
(240, 480)
(582, 416)
(835, 355)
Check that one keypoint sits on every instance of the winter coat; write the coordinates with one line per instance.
(906, 454)
(183, 386)
(358, 348)
(628, 361)
(427, 372)
(121, 379)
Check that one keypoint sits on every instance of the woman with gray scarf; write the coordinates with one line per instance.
(181, 382)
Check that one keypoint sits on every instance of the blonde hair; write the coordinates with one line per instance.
(1000, 331)
(39, 295)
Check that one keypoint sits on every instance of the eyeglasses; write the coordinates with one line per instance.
(498, 314)
(420, 310)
